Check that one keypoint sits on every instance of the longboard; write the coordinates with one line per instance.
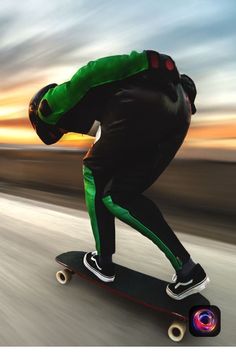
(137, 287)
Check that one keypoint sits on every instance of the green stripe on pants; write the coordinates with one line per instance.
(90, 195)
(124, 215)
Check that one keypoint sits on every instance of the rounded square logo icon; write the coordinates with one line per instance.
(204, 321)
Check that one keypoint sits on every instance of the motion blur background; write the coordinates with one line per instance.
(48, 41)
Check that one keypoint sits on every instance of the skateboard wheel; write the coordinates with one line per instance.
(177, 331)
(63, 276)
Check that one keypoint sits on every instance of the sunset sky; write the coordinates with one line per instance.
(47, 41)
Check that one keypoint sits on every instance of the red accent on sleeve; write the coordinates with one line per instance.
(169, 65)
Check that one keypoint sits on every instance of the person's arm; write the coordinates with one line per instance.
(62, 98)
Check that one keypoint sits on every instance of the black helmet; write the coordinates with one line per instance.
(48, 133)
(190, 88)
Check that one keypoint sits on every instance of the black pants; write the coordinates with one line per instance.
(141, 131)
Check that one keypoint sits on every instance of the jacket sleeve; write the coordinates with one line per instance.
(62, 98)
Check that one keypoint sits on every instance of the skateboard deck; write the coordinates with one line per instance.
(137, 287)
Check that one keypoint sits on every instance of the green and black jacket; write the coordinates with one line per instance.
(75, 104)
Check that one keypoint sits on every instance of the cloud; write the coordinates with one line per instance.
(5, 22)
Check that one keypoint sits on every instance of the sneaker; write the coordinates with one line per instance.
(184, 286)
(106, 273)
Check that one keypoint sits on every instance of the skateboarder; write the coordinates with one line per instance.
(144, 107)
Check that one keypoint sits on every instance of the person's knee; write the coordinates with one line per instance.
(124, 200)
(113, 197)
(117, 204)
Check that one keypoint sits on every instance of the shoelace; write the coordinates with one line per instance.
(94, 254)
(174, 278)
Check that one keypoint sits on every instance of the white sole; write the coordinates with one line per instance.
(101, 276)
(193, 290)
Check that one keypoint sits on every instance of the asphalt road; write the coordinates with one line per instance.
(37, 311)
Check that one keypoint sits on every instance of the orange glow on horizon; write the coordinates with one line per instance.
(28, 136)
